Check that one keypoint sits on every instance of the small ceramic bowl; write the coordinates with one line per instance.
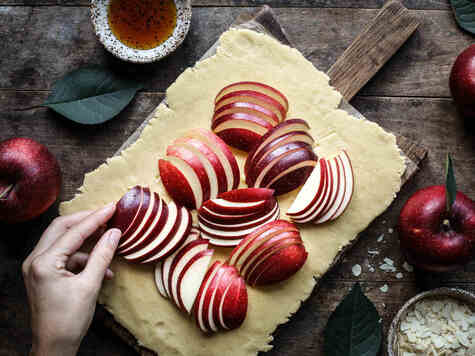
(458, 294)
(99, 17)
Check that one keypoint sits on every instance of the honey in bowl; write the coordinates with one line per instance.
(142, 24)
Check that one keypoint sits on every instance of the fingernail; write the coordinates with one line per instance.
(108, 207)
(114, 237)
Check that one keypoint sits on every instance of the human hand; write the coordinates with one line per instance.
(62, 303)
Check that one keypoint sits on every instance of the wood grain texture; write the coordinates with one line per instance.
(41, 44)
(370, 4)
(372, 48)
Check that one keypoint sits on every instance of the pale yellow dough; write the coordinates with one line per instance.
(242, 55)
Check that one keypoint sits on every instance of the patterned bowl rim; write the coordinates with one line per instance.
(455, 293)
(99, 18)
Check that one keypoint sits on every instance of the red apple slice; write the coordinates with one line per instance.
(349, 184)
(241, 131)
(156, 252)
(295, 166)
(233, 307)
(247, 108)
(200, 298)
(229, 275)
(226, 157)
(127, 210)
(158, 273)
(232, 238)
(144, 207)
(210, 297)
(227, 226)
(155, 221)
(340, 193)
(144, 219)
(310, 192)
(294, 136)
(322, 202)
(176, 183)
(283, 128)
(251, 271)
(259, 168)
(180, 262)
(259, 250)
(172, 222)
(164, 266)
(191, 279)
(255, 86)
(258, 236)
(247, 194)
(280, 265)
(206, 154)
(334, 169)
(250, 96)
(196, 165)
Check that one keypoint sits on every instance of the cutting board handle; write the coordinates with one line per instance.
(373, 47)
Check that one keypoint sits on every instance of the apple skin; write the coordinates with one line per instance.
(424, 238)
(35, 176)
(462, 82)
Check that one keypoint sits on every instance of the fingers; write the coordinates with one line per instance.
(57, 228)
(72, 240)
(101, 257)
(78, 261)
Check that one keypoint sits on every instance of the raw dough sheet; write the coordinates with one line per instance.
(242, 55)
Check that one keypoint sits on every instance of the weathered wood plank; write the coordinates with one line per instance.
(372, 48)
(368, 4)
(40, 44)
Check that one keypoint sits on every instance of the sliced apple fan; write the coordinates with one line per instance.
(327, 192)
(245, 111)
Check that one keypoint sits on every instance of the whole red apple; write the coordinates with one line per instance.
(432, 238)
(30, 179)
(462, 82)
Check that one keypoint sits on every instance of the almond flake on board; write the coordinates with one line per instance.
(356, 270)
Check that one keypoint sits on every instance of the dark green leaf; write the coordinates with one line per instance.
(354, 328)
(91, 95)
(450, 184)
(465, 14)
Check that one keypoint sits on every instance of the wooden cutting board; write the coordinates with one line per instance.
(365, 56)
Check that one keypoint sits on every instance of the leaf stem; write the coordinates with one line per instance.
(450, 185)
(6, 191)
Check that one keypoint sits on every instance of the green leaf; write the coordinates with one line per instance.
(91, 95)
(465, 14)
(450, 183)
(354, 328)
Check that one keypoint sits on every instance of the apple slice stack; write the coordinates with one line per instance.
(326, 193)
(245, 111)
(216, 296)
(180, 275)
(198, 167)
(227, 219)
(152, 229)
(221, 303)
(283, 159)
(270, 254)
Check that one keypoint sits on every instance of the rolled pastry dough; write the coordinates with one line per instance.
(242, 55)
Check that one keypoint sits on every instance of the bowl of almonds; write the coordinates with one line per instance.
(438, 322)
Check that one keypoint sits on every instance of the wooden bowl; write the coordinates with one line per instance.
(99, 17)
(458, 294)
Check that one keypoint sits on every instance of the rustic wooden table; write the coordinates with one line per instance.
(44, 39)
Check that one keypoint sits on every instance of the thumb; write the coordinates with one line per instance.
(101, 256)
